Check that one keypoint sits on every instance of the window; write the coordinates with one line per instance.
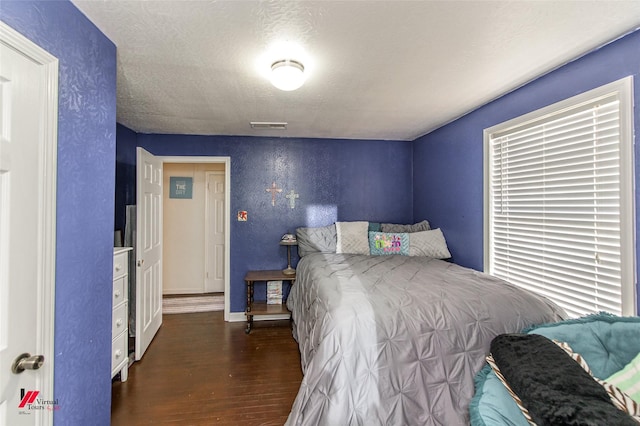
(559, 202)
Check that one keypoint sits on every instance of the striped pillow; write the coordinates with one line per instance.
(618, 396)
(628, 379)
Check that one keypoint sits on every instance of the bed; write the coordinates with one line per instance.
(397, 339)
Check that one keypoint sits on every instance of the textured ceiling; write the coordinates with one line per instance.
(376, 69)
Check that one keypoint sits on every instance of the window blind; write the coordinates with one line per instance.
(555, 206)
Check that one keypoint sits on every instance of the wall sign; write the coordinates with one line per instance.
(180, 187)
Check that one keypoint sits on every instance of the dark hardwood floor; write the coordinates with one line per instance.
(200, 370)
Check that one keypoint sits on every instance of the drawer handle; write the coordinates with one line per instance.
(118, 322)
(116, 293)
(118, 353)
(118, 266)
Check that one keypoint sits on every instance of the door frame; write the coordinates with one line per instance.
(227, 211)
(46, 249)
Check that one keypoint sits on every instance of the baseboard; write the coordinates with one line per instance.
(240, 316)
(237, 316)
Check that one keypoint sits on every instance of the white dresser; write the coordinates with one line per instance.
(120, 316)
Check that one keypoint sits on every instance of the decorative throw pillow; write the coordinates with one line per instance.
(621, 400)
(352, 237)
(375, 227)
(551, 387)
(516, 398)
(618, 397)
(382, 243)
(428, 244)
(416, 227)
(312, 240)
(607, 342)
(628, 379)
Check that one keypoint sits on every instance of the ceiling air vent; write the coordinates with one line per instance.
(269, 125)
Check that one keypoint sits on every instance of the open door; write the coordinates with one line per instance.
(28, 146)
(148, 249)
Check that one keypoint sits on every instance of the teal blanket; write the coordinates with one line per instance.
(605, 341)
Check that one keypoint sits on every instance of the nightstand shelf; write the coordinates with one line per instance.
(255, 309)
(262, 308)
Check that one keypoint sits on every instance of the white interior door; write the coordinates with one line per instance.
(28, 132)
(148, 249)
(214, 253)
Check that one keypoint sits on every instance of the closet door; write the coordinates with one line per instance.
(215, 233)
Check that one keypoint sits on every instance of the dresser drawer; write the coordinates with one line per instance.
(119, 319)
(118, 353)
(120, 313)
(120, 290)
(120, 264)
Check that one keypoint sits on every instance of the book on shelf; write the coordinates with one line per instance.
(274, 292)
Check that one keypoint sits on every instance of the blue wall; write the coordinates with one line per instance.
(337, 180)
(448, 162)
(85, 199)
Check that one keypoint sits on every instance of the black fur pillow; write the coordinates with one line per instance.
(554, 388)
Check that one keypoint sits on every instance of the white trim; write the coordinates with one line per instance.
(237, 317)
(627, 204)
(227, 220)
(271, 317)
(486, 197)
(624, 89)
(47, 194)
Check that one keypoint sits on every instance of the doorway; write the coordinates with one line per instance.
(196, 226)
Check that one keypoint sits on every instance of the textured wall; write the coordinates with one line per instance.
(448, 162)
(335, 179)
(85, 198)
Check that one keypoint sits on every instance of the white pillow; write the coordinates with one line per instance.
(428, 244)
(353, 237)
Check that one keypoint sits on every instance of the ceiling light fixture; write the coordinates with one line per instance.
(287, 74)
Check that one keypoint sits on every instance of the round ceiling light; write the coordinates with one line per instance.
(287, 74)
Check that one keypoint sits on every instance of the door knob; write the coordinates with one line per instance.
(26, 362)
